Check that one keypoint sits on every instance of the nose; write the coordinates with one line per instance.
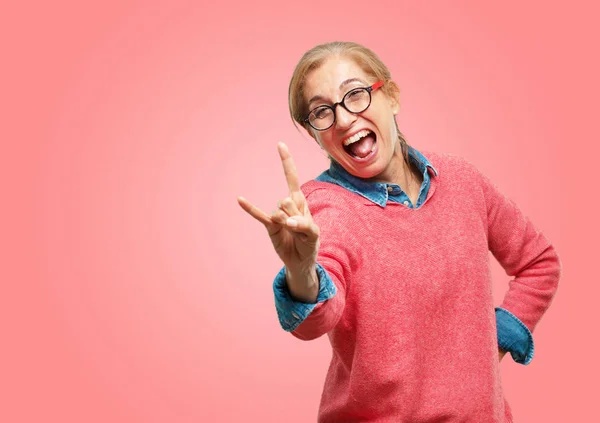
(343, 117)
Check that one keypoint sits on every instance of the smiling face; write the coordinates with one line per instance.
(365, 144)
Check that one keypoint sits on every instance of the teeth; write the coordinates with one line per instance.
(356, 137)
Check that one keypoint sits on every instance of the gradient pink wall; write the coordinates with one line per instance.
(134, 287)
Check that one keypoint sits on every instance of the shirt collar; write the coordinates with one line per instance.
(376, 192)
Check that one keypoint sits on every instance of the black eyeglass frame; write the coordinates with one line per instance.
(342, 103)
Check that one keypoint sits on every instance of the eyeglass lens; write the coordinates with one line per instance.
(354, 101)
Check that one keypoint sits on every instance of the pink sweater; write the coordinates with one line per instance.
(412, 325)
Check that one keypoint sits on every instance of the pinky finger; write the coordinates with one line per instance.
(254, 211)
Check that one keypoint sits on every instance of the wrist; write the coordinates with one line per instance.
(303, 283)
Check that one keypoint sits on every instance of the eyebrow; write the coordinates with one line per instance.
(342, 85)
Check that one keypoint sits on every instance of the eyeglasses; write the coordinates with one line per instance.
(355, 101)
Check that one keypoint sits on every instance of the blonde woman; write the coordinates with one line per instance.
(386, 252)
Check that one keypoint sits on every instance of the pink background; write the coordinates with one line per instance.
(134, 289)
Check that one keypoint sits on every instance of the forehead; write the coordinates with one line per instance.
(326, 79)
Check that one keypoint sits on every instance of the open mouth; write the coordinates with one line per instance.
(361, 144)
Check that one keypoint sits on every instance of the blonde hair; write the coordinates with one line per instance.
(370, 63)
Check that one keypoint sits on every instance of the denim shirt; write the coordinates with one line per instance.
(513, 335)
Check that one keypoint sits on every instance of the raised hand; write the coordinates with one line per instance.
(292, 230)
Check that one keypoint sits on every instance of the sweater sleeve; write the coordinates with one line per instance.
(527, 256)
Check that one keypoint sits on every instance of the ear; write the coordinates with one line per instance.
(394, 97)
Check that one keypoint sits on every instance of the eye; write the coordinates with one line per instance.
(322, 112)
(355, 95)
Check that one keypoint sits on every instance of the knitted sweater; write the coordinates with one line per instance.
(412, 324)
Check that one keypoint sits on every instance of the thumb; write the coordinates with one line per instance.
(303, 225)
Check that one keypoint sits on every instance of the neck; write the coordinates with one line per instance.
(402, 173)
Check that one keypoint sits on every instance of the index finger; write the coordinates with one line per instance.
(289, 168)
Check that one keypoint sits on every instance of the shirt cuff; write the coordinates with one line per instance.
(514, 336)
(291, 312)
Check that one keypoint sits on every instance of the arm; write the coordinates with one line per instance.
(296, 239)
(308, 320)
(528, 257)
(292, 311)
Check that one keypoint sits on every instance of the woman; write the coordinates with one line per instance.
(387, 253)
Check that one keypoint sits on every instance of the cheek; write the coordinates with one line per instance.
(393, 131)
(388, 127)
(326, 142)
